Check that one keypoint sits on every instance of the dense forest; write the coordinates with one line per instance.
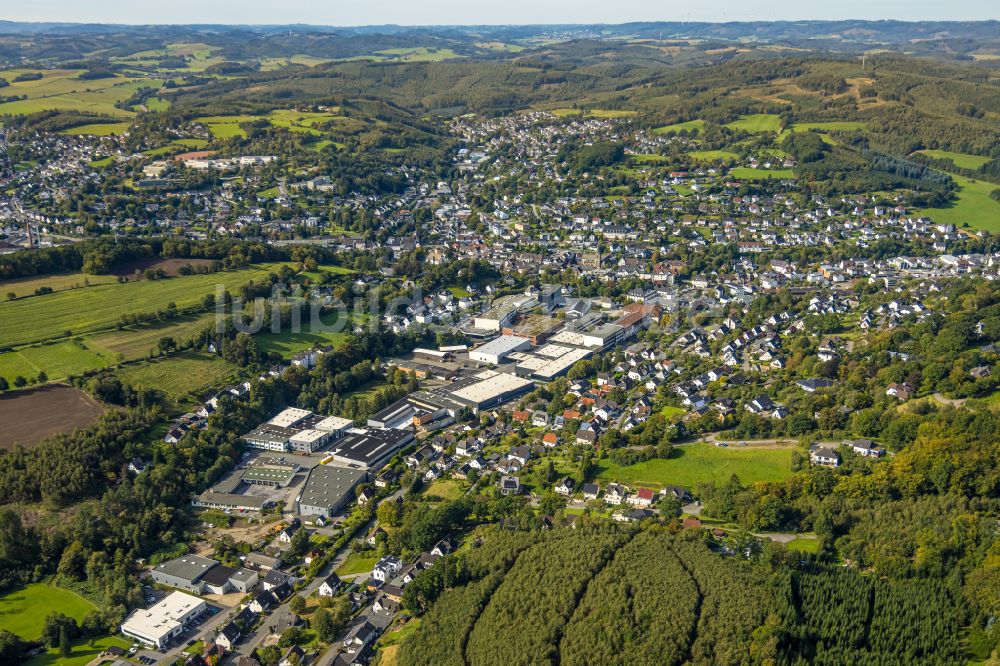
(620, 595)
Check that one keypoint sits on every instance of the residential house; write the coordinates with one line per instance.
(565, 487)
(823, 455)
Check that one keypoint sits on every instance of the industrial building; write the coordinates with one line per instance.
(290, 417)
(369, 448)
(604, 337)
(269, 472)
(335, 425)
(504, 311)
(184, 573)
(158, 624)
(484, 390)
(211, 499)
(299, 430)
(309, 440)
(327, 489)
(196, 574)
(550, 361)
(495, 351)
(269, 437)
(537, 328)
(397, 415)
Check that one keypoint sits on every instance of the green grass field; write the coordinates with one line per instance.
(757, 122)
(593, 113)
(323, 268)
(671, 412)
(357, 563)
(136, 342)
(58, 360)
(389, 644)
(611, 113)
(288, 342)
(961, 160)
(226, 127)
(973, 206)
(83, 652)
(697, 125)
(804, 545)
(27, 286)
(157, 104)
(176, 147)
(419, 54)
(692, 464)
(182, 376)
(99, 307)
(831, 126)
(99, 129)
(712, 155)
(746, 173)
(649, 158)
(73, 357)
(61, 89)
(448, 489)
(23, 610)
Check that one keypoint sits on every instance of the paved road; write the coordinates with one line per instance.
(954, 402)
(713, 438)
(282, 615)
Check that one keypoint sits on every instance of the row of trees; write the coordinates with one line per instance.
(638, 610)
(610, 595)
(524, 619)
(835, 616)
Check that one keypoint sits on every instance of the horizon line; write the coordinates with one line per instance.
(484, 25)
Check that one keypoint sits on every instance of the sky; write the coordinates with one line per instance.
(465, 12)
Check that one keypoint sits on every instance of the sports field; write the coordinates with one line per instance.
(23, 610)
(696, 463)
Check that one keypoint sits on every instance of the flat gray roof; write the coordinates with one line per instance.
(503, 345)
(328, 484)
(270, 472)
(189, 567)
(368, 446)
(232, 500)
